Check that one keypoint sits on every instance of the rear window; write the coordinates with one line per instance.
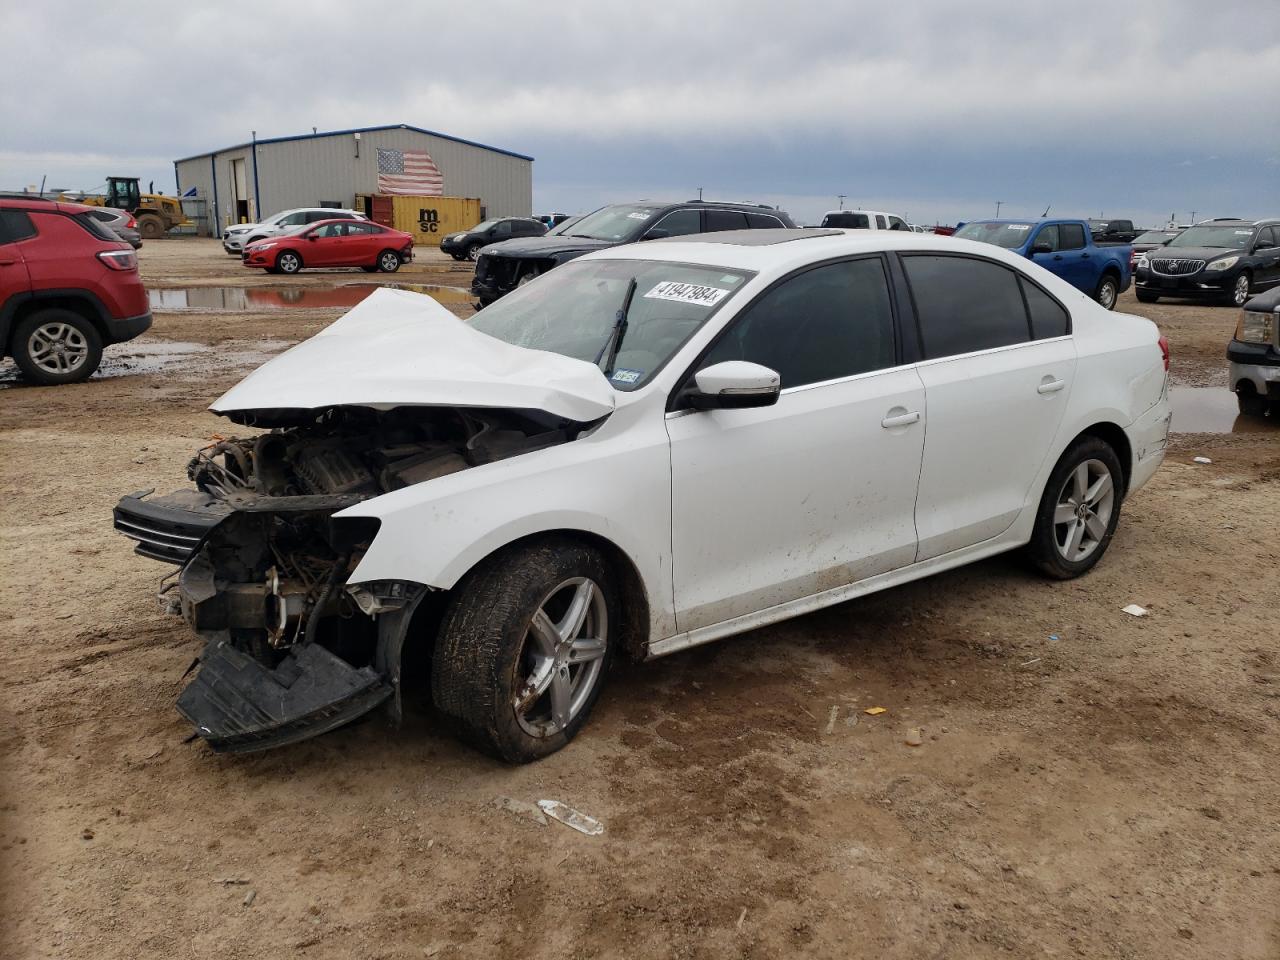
(94, 226)
(15, 225)
(847, 220)
(964, 304)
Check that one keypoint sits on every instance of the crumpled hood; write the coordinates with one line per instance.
(398, 349)
(545, 246)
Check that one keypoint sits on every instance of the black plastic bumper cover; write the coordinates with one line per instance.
(238, 706)
(168, 528)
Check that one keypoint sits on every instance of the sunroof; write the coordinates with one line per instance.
(754, 238)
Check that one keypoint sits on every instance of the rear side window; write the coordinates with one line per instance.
(15, 225)
(847, 220)
(94, 226)
(880, 223)
(1071, 236)
(827, 323)
(1048, 317)
(964, 304)
(725, 220)
(762, 221)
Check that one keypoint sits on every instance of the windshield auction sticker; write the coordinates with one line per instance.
(686, 293)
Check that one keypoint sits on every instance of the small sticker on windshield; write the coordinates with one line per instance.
(639, 215)
(1243, 233)
(627, 376)
(1017, 226)
(703, 296)
(730, 279)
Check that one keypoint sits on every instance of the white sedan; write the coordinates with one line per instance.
(648, 448)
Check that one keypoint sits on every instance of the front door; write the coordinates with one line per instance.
(1267, 252)
(997, 375)
(777, 503)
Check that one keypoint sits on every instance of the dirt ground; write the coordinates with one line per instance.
(1090, 784)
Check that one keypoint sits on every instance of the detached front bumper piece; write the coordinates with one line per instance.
(168, 528)
(238, 706)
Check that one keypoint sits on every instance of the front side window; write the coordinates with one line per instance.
(503, 229)
(1071, 236)
(1011, 236)
(1048, 236)
(680, 223)
(827, 323)
(964, 304)
(298, 219)
(573, 311)
(897, 223)
(330, 230)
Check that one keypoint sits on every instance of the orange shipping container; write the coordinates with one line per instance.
(430, 218)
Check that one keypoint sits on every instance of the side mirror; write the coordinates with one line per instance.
(1042, 248)
(734, 385)
(313, 236)
(657, 233)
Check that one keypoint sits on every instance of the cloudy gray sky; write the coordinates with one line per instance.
(932, 109)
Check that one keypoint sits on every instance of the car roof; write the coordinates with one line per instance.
(882, 213)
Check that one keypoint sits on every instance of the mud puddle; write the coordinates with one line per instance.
(1213, 410)
(231, 299)
(170, 357)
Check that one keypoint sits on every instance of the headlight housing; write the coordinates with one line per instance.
(1143, 262)
(1226, 263)
(1255, 327)
(262, 245)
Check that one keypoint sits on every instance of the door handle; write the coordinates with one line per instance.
(5, 263)
(1057, 256)
(900, 420)
(1050, 385)
(1084, 256)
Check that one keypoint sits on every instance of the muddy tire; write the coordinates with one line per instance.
(1108, 291)
(1252, 404)
(150, 226)
(388, 261)
(54, 346)
(288, 262)
(1078, 511)
(1144, 297)
(524, 648)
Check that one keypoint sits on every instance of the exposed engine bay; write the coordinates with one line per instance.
(291, 650)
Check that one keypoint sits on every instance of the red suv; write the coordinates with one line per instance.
(68, 286)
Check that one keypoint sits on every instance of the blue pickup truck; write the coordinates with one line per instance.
(1063, 247)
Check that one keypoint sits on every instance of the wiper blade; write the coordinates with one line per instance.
(609, 352)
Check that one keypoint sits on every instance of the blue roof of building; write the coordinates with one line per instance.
(338, 133)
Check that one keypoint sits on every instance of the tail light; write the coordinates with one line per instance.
(119, 259)
(132, 224)
(1164, 352)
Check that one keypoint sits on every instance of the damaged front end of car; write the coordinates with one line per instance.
(291, 648)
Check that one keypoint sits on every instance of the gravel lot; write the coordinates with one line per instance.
(1089, 784)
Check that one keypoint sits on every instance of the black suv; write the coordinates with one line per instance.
(1113, 231)
(505, 266)
(466, 244)
(1216, 259)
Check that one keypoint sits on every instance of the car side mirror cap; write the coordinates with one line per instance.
(1042, 248)
(734, 385)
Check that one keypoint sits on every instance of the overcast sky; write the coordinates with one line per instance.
(934, 110)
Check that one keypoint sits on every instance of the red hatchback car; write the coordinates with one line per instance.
(333, 243)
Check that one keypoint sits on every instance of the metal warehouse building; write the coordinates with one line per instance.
(249, 181)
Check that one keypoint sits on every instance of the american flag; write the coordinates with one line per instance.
(409, 173)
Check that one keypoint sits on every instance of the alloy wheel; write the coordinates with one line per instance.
(559, 663)
(289, 263)
(57, 347)
(389, 262)
(473, 252)
(1083, 512)
(1240, 293)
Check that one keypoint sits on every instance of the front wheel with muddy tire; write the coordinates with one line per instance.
(388, 261)
(56, 346)
(524, 648)
(1078, 511)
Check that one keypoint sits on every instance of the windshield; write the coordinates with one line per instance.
(621, 222)
(1232, 237)
(481, 226)
(1155, 236)
(1007, 235)
(572, 311)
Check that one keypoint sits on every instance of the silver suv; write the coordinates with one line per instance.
(234, 238)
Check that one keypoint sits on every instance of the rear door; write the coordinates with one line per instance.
(999, 362)
(362, 243)
(15, 227)
(1080, 267)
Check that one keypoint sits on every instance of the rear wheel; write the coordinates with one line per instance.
(1144, 297)
(1251, 403)
(1108, 291)
(388, 261)
(524, 648)
(150, 226)
(1240, 289)
(56, 346)
(288, 262)
(1078, 511)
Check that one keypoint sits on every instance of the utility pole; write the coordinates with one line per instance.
(999, 204)
(1193, 217)
(841, 198)
(699, 193)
